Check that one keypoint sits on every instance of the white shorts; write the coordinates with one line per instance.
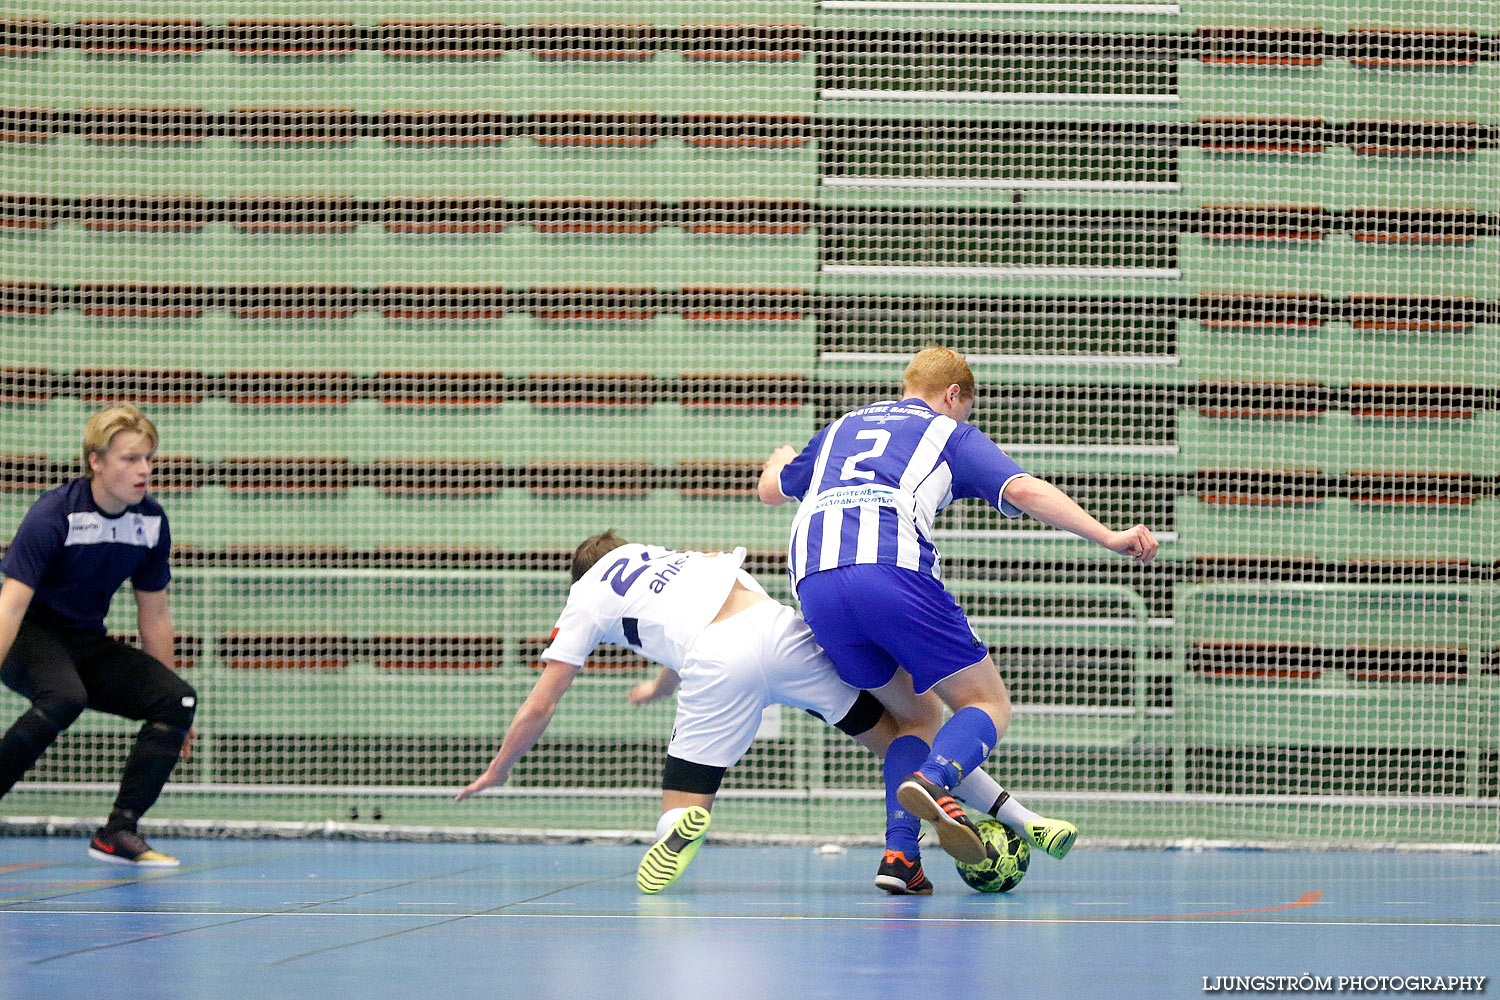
(765, 655)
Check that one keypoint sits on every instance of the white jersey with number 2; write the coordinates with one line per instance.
(652, 599)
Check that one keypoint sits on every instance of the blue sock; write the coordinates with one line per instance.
(905, 755)
(960, 746)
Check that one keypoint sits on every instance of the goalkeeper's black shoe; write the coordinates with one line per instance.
(901, 877)
(127, 847)
(670, 856)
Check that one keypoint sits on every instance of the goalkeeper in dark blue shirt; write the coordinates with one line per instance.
(74, 549)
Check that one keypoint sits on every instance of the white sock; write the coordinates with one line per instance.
(982, 791)
(667, 821)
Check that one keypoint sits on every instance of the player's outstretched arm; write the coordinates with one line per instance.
(664, 684)
(1055, 508)
(530, 721)
(769, 488)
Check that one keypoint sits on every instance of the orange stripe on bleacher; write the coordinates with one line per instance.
(286, 476)
(713, 480)
(283, 651)
(271, 387)
(1243, 223)
(1251, 46)
(743, 42)
(1261, 310)
(104, 36)
(293, 213)
(1375, 487)
(1413, 48)
(1261, 487)
(294, 126)
(1415, 138)
(567, 216)
(1413, 313)
(1413, 401)
(619, 42)
(141, 124)
(300, 39)
(1248, 135)
(1250, 660)
(742, 305)
(712, 390)
(29, 36)
(26, 385)
(1266, 400)
(140, 385)
(598, 480)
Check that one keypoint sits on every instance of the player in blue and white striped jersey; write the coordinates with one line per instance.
(868, 577)
(874, 479)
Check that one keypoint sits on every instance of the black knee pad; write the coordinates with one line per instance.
(35, 729)
(160, 738)
(862, 715)
(679, 775)
(60, 713)
(177, 711)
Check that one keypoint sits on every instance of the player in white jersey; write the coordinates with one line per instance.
(733, 650)
(868, 578)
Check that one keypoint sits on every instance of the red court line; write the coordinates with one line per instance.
(1307, 899)
(57, 885)
(22, 868)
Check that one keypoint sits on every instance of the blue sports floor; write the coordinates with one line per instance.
(335, 919)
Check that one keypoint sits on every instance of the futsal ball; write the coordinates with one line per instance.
(1002, 872)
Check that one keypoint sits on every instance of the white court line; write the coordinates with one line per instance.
(779, 917)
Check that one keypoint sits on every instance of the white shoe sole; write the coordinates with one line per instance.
(897, 887)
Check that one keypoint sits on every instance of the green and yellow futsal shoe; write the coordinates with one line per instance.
(1055, 836)
(670, 856)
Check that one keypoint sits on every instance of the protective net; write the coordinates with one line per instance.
(420, 295)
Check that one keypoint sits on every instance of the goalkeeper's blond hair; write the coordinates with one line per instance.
(105, 424)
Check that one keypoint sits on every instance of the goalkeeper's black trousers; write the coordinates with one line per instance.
(62, 672)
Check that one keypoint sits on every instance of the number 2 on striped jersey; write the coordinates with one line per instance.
(851, 469)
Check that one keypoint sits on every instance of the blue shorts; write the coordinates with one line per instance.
(871, 619)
